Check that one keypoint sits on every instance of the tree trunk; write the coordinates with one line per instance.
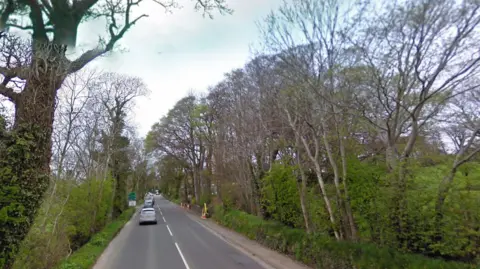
(255, 185)
(344, 222)
(303, 192)
(185, 189)
(66, 28)
(196, 184)
(391, 156)
(398, 214)
(321, 183)
(209, 175)
(25, 163)
(328, 206)
(342, 132)
(348, 208)
(120, 192)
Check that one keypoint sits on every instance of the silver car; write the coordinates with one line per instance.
(147, 215)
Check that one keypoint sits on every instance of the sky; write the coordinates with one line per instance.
(179, 52)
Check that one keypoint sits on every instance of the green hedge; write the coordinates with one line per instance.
(320, 251)
(86, 256)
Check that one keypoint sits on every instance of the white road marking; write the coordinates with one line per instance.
(164, 219)
(181, 255)
(169, 230)
(234, 244)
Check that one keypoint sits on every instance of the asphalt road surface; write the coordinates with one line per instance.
(176, 242)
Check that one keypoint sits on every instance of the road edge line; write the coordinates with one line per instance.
(109, 251)
(237, 246)
(181, 256)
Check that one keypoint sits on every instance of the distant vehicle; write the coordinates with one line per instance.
(147, 215)
(149, 203)
(157, 192)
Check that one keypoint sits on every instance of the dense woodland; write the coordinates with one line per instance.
(362, 127)
(355, 121)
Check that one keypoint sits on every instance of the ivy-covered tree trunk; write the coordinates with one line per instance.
(120, 192)
(25, 160)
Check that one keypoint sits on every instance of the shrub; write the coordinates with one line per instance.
(86, 256)
(320, 251)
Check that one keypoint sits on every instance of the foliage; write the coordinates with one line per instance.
(19, 192)
(52, 27)
(280, 195)
(61, 226)
(87, 255)
(338, 126)
(322, 252)
(90, 155)
(181, 139)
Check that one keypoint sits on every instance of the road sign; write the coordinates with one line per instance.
(132, 203)
(132, 196)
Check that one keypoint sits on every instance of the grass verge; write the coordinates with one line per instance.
(322, 252)
(86, 256)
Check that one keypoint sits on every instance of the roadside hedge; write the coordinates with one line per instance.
(322, 252)
(86, 256)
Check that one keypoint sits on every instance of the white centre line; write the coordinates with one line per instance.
(164, 219)
(169, 230)
(181, 255)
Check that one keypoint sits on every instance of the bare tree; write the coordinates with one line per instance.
(73, 98)
(308, 40)
(72, 101)
(116, 93)
(419, 54)
(465, 134)
(413, 74)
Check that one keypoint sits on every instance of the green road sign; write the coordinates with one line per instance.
(132, 196)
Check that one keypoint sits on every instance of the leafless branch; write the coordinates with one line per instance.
(114, 9)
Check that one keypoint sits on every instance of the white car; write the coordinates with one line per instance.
(147, 215)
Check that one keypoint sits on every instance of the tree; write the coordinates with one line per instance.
(308, 41)
(465, 135)
(72, 102)
(241, 119)
(420, 54)
(176, 135)
(41, 64)
(116, 93)
(81, 181)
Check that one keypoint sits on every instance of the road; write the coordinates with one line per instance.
(176, 242)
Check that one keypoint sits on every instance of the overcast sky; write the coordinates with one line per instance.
(179, 52)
